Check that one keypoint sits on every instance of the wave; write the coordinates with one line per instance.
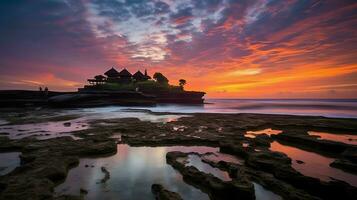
(291, 106)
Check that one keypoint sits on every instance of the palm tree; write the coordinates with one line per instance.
(182, 82)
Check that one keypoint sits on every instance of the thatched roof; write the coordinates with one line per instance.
(112, 73)
(99, 77)
(139, 75)
(124, 73)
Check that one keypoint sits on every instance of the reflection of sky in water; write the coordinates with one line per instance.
(132, 172)
(315, 165)
(44, 130)
(263, 194)
(8, 162)
(113, 112)
(49, 130)
(345, 138)
(2, 122)
(268, 131)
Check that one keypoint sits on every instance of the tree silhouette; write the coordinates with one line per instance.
(182, 82)
(160, 78)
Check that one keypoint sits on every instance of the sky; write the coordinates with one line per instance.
(227, 48)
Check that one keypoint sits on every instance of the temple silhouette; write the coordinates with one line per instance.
(124, 77)
(110, 88)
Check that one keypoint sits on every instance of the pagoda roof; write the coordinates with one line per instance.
(139, 74)
(125, 73)
(99, 77)
(112, 73)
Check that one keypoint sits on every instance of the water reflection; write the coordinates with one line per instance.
(345, 138)
(49, 130)
(8, 162)
(3, 122)
(45, 130)
(132, 171)
(116, 112)
(263, 194)
(268, 131)
(314, 164)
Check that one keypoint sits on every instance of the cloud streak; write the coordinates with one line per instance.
(229, 48)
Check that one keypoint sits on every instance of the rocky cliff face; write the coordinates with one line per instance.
(92, 98)
(20, 98)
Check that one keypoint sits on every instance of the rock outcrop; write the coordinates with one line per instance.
(161, 193)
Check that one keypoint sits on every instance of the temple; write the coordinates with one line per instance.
(120, 87)
(111, 88)
(124, 77)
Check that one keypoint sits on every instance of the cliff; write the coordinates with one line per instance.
(92, 98)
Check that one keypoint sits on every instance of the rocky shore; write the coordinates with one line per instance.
(45, 163)
(93, 98)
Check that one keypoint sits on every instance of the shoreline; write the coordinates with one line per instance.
(94, 98)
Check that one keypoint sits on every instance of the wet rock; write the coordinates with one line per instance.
(345, 165)
(101, 99)
(325, 190)
(26, 188)
(268, 161)
(67, 124)
(95, 148)
(338, 190)
(312, 142)
(2, 168)
(262, 140)
(282, 188)
(215, 187)
(350, 154)
(106, 175)
(300, 162)
(234, 148)
(45, 163)
(68, 197)
(37, 176)
(83, 191)
(162, 194)
(26, 158)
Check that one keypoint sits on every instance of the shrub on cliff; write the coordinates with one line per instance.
(160, 78)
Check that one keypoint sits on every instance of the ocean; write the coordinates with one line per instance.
(340, 108)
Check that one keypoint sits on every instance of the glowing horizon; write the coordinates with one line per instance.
(227, 48)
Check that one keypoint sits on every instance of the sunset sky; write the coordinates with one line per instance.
(227, 48)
